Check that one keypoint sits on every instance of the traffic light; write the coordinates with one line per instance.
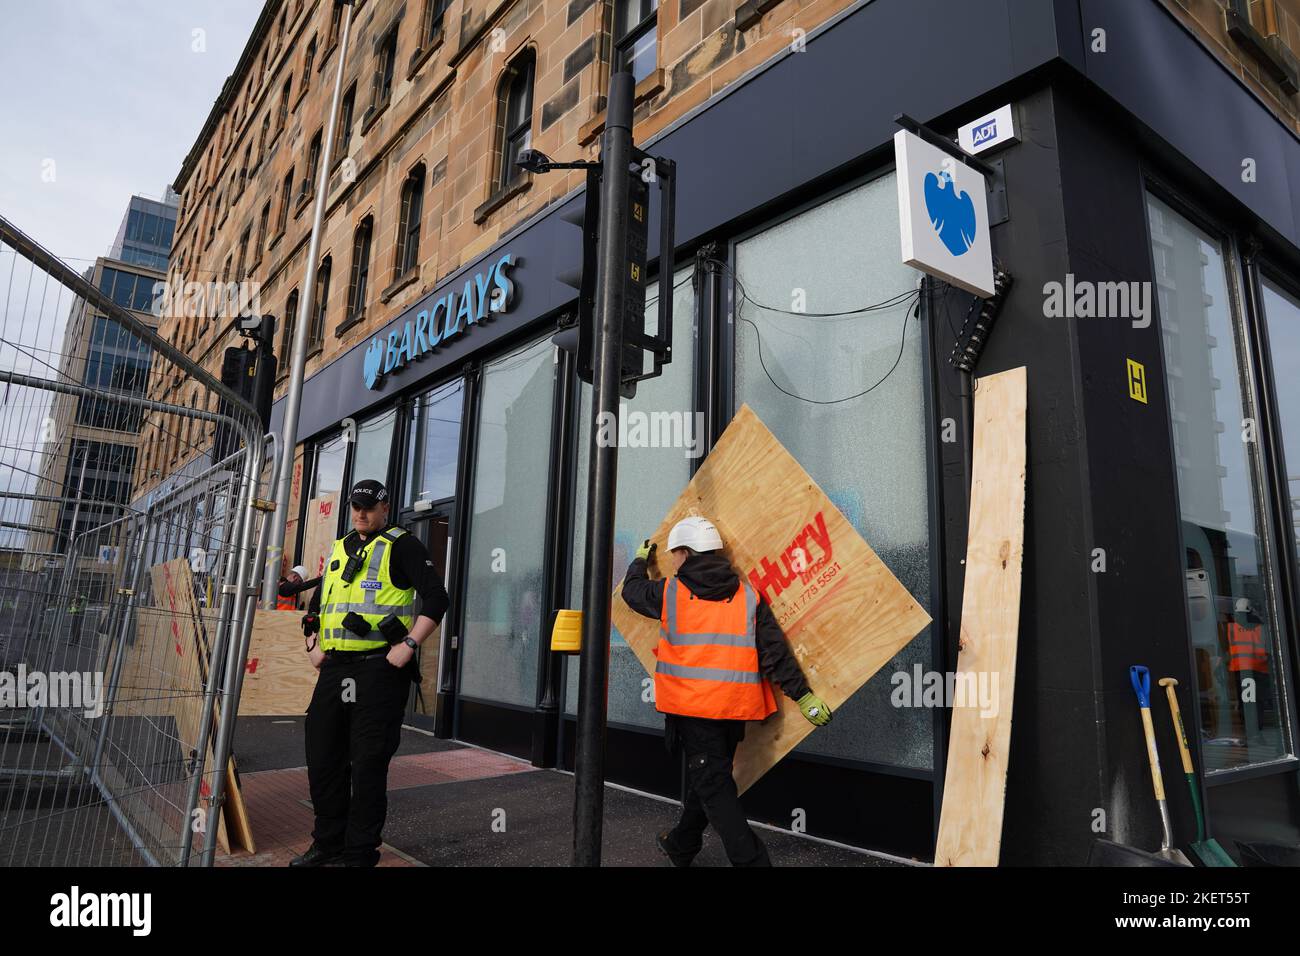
(577, 266)
(238, 366)
(264, 375)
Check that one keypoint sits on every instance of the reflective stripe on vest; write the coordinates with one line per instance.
(372, 595)
(708, 657)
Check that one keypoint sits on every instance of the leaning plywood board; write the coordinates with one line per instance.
(181, 678)
(235, 815)
(278, 676)
(844, 614)
(321, 526)
(203, 620)
(426, 704)
(970, 823)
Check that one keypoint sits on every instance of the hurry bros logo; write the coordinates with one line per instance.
(808, 560)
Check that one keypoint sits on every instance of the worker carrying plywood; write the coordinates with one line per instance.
(291, 585)
(719, 644)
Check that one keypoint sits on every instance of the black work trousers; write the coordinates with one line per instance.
(354, 724)
(711, 798)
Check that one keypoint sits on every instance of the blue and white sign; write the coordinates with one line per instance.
(943, 215)
(483, 295)
(993, 131)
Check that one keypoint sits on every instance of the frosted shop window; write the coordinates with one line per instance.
(327, 471)
(798, 371)
(374, 448)
(653, 468)
(1229, 576)
(504, 600)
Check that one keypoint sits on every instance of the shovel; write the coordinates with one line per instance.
(1209, 852)
(1141, 679)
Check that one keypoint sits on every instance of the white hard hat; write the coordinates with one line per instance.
(695, 533)
(299, 570)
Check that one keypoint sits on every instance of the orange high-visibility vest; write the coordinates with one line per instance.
(286, 603)
(708, 657)
(1246, 650)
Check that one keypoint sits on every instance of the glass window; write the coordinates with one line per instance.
(1229, 579)
(504, 601)
(434, 444)
(408, 229)
(123, 288)
(867, 453)
(517, 115)
(384, 67)
(330, 458)
(344, 133)
(142, 300)
(374, 448)
(639, 504)
(316, 334)
(1282, 314)
(636, 37)
(360, 270)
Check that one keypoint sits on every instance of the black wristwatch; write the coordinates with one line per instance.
(410, 642)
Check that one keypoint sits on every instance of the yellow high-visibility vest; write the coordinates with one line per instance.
(370, 594)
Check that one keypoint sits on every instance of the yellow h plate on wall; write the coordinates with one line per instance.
(1137, 381)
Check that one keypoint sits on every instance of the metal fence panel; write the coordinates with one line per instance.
(125, 599)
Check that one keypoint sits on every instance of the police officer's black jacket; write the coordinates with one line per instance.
(709, 576)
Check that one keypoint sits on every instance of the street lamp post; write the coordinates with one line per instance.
(593, 668)
(307, 304)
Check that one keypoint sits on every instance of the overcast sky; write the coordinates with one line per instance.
(114, 93)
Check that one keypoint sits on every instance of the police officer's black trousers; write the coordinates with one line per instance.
(354, 724)
(711, 798)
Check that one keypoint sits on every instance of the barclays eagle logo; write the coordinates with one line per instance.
(951, 214)
(374, 359)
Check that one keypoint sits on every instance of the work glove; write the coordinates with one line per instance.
(815, 709)
(310, 624)
(646, 552)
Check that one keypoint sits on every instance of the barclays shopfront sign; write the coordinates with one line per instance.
(943, 215)
(484, 295)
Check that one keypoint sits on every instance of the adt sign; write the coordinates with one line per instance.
(993, 131)
(487, 293)
(943, 215)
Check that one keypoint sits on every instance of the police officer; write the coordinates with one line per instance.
(368, 633)
(719, 644)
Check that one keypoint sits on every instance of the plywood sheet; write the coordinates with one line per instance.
(182, 678)
(321, 524)
(844, 614)
(970, 823)
(278, 676)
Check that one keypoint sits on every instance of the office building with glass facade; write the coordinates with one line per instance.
(89, 444)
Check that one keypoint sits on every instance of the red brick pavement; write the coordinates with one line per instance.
(281, 818)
